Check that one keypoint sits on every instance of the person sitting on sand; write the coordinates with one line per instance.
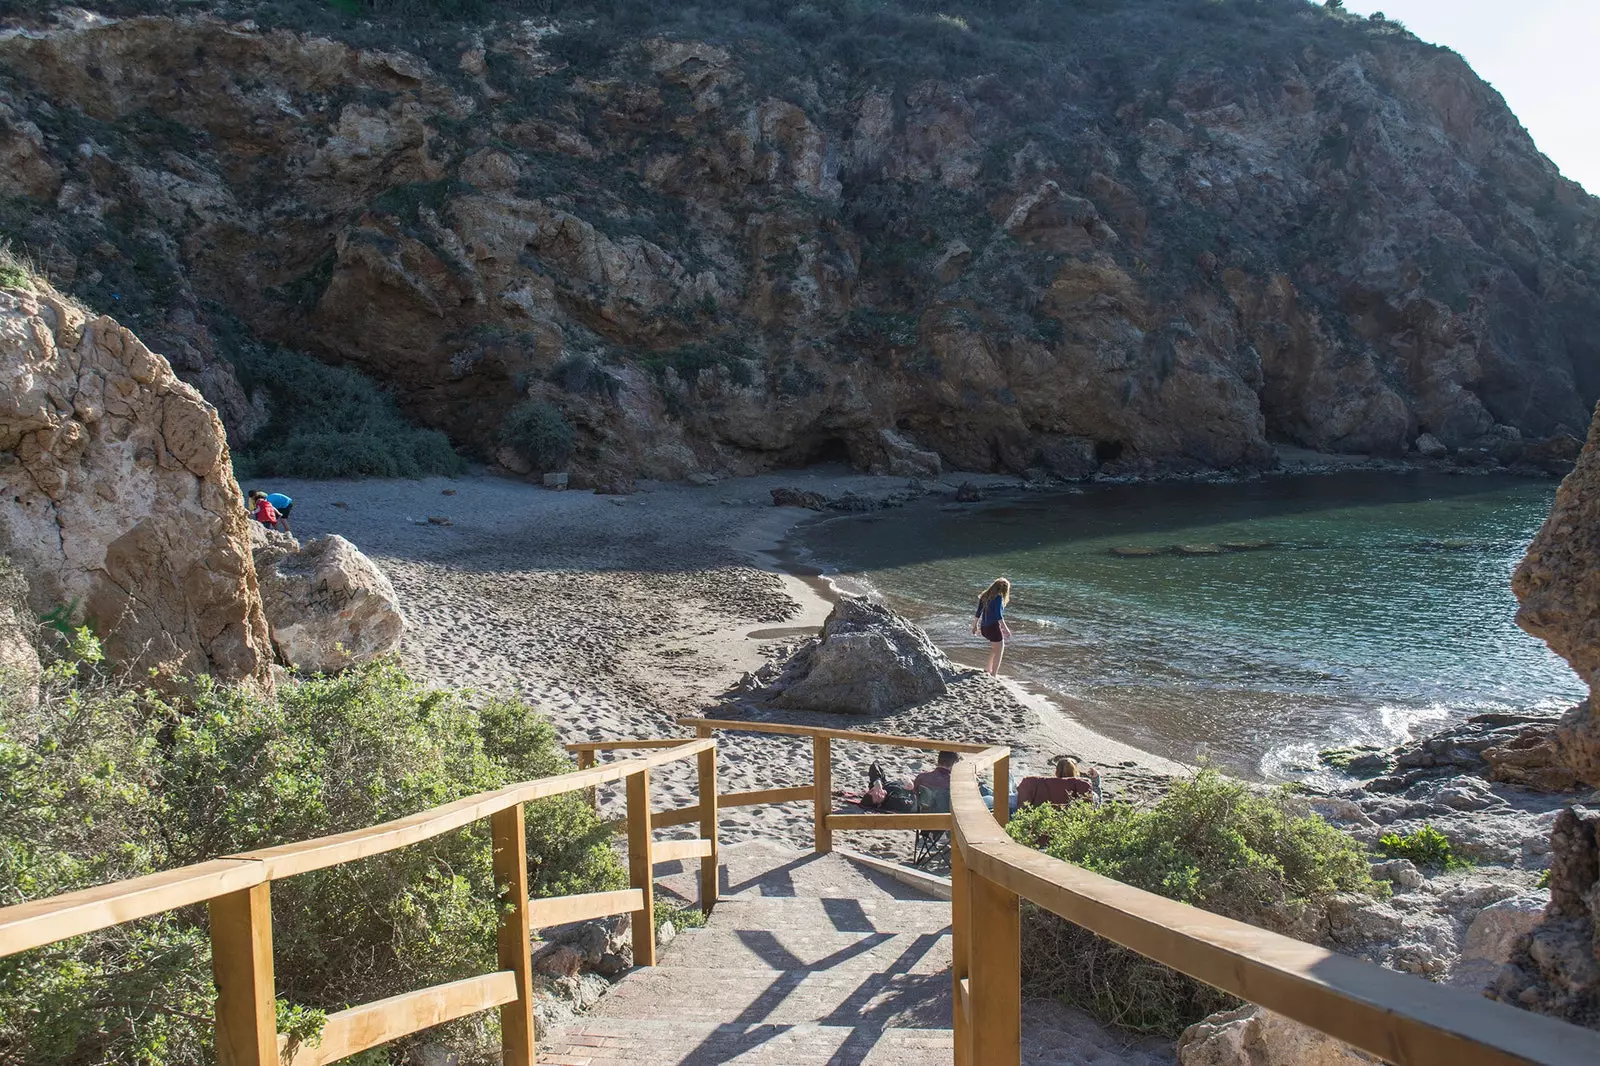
(990, 620)
(262, 511)
(1064, 788)
(938, 780)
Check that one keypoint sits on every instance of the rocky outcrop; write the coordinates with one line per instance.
(712, 259)
(1555, 968)
(122, 510)
(1255, 1036)
(868, 660)
(329, 606)
(1558, 587)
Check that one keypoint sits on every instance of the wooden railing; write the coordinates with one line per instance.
(237, 890)
(1405, 1020)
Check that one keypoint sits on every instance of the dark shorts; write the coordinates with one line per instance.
(283, 512)
(992, 633)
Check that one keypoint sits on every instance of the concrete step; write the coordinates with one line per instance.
(603, 1041)
(841, 915)
(828, 997)
(801, 947)
(760, 869)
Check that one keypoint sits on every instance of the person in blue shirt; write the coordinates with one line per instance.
(990, 620)
(280, 503)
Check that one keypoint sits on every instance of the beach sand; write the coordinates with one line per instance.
(617, 616)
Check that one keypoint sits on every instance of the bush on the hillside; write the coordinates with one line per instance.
(1427, 847)
(331, 421)
(539, 432)
(153, 782)
(1211, 842)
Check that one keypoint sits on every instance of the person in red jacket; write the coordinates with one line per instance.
(1064, 788)
(263, 511)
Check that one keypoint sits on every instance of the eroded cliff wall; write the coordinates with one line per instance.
(1138, 236)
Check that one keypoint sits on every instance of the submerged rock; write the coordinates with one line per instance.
(329, 606)
(869, 660)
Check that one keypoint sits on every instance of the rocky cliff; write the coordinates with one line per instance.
(122, 511)
(1158, 234)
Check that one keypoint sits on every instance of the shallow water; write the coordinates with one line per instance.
(1381, 607)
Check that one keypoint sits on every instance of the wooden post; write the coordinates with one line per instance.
(518, 1039)
(708, 823)
(1002, 789)
(822, 768)
(586, 760)
(996, 971)
(960, 951)
(241, 964)
(640, 875)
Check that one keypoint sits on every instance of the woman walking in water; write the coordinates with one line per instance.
(990, 620)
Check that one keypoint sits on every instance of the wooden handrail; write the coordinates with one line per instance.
(237, 889)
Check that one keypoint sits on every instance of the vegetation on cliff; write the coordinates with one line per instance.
(1070, 235)
(101, 781)
(1212, 842)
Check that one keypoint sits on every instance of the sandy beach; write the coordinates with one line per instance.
(619, 615)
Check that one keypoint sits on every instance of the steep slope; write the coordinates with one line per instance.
(1161, 234)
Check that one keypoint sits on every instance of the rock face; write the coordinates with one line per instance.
(1255, 1036)
(122, 508)
(911, 243)
(328, 605)
(1558, 587)
(869, 661)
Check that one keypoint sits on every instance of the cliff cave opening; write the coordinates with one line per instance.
(1107, 451)
(819, 452)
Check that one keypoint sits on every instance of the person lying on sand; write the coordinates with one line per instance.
(990, 620)
(1067, 786)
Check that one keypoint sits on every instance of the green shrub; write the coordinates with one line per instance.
(154, 782)
(539, 432)
(1427, 847)
(681, 917)
(1212, 842)
(15, 271)
(331, 422)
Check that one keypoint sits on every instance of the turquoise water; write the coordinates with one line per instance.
(1381, 608)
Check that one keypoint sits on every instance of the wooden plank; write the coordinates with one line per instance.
(960, 957)
(1002, 790)
(289, 859)
(350, 1031)
(640, 874)
(1402, 1019)
(709, 802)
(676, 816)
(673, 850)
(559, 910)
(767, 795)
(586, 759)
(822, 800)
(518, 1039)
(45, 921)
(926, 820)
(241, 965)
(995, 971)
(786, 729)
(592, 746)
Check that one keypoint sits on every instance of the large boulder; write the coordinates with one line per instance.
(869, 661)
(1558, 587)
(123, 513)
(1255, 1036)
(329, 606)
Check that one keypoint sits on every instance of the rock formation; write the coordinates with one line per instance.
(869, 660)
(1558, 587)
(1255, 1036)
(122, 509)
(328, 606)
(895, 238)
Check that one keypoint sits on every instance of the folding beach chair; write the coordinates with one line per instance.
(930, 842)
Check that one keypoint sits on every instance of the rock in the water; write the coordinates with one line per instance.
(328, 605)
(1255, 1036)
(967, 492)
(868, 661)
(121, 502)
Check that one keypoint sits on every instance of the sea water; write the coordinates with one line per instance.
(1249, 624)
